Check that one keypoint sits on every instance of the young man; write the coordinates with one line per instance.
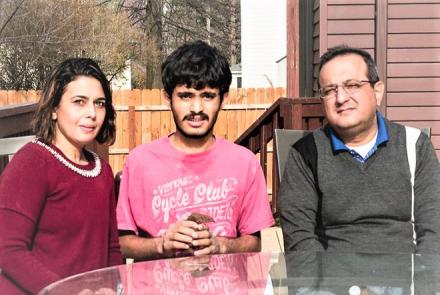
(347, 186)
(192, 171)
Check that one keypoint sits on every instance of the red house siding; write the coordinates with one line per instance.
(413, 65)
(404, 38)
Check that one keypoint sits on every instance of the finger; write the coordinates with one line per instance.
(187, 228)
(202, 242)
(193, 225)
(172, 245)
(179, 237)
(205, 251)
(204, 234)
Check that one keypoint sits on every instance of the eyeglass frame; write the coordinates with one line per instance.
(336, 87)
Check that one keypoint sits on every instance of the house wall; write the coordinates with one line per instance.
(263, 41)
(413, 65)
(342, 22)
(404, 38)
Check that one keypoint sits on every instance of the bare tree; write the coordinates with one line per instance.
(37, 34)
(167, 24)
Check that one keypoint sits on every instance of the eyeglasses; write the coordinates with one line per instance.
(349, 86)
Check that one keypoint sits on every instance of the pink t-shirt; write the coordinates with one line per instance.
(161, 185)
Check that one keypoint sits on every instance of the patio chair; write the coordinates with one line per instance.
(426, 130)
(9, 146)
(284, 139)
(118, 178)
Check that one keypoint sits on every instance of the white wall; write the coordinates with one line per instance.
(122, 81)
(263, 42)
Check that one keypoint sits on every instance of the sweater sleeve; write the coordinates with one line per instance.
(23, 192)
(427, 197)
(298, 203)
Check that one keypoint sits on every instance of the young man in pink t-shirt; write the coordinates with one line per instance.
(192, 171)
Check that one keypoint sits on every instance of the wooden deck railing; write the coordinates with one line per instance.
(16, 119)
(285, 113)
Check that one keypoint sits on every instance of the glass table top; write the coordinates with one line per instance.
(314, 273)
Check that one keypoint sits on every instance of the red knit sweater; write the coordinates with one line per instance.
(53, 222)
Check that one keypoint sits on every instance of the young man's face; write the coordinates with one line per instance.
(195, 111)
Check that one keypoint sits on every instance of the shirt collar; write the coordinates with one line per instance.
(382, 135)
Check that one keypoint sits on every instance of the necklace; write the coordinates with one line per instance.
(86, 173)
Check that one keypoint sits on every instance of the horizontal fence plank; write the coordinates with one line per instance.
(8, 97)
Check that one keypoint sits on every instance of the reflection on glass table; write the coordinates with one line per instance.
(217, 274)
(299, 273)
(320, 273)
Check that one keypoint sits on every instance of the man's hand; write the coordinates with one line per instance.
(184, 235)
(213, 245)
(223, 245)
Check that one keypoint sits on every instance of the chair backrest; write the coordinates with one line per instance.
(426, 130)
(10, 145)
(118, 178)
(284, 139)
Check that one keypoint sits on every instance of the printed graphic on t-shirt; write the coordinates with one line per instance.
(176, 199)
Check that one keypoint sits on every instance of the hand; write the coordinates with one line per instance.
(182, 234)
(215, 245)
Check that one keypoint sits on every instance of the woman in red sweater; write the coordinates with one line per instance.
(57, 205)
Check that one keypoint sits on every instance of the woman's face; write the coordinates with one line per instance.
(80, 113)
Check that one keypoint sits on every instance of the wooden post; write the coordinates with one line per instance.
(292, 48)
(131, 128)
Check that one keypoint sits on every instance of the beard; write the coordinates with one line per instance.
(208, 131)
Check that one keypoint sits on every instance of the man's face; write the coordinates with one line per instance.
(353, 112)
(195, 111)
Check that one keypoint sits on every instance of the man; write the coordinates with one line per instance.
(347, 186)
(192, 171)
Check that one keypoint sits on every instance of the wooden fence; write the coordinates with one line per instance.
(143, 115)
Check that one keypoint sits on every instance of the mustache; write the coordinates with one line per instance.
(192, 115)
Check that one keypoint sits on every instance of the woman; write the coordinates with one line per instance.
(57, 206)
